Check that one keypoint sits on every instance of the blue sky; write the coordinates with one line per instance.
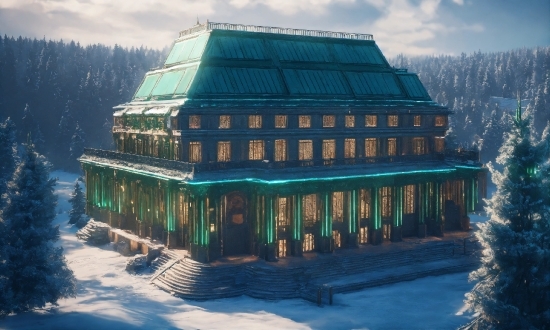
(411, 27)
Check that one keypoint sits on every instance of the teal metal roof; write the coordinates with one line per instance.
(232, 65)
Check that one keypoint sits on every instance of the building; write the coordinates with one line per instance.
(274, 142)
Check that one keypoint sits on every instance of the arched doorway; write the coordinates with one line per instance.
(235, 238)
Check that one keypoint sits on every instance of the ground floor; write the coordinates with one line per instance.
(274, 219)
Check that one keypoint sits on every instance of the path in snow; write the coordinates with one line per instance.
(110, 298)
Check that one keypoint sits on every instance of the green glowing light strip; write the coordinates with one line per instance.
(326, 225)
(437, 202)
(473, 195)
(269, 218)
(170, 222)
(399, 206)
(298, 218)
(376, 209)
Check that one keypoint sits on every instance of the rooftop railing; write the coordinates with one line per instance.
(208, 26)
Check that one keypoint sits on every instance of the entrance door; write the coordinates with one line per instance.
(235, 238)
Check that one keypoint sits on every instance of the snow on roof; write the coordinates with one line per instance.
(162, 110)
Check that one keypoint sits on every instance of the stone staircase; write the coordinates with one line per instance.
(316, 279)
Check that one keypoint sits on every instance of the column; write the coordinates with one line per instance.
(376, 232)
(170, 216)
(397, 204)
(422, 209)
(199, 246)
(269, 225)
(437, 229)
(325, 241)
(352, 218)
(297, 225)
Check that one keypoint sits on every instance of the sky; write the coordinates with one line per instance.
(410, 27)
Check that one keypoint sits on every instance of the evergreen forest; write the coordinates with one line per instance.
(60, 92)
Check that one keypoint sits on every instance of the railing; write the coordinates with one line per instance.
(208, 26)
(464, 156)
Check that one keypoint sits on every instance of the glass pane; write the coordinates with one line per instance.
(147, 85)
(168, 83)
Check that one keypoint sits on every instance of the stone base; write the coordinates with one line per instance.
(396, 234)
(422, 230)
(353, 242)
(171, 240)
(376, 236)
(296, 248)
(437, 230)
(326, 245)
(199, 253)
(465, 223)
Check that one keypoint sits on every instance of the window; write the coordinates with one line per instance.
(329, 121)
(281, 249)
(309, 243)
(225, 122)
(305, 149)
(329, 149)
(408, 199)
(309, 207)
(440, 121)
(439, 144)
(385, 194)
(393, 121)
(392, 146)
(283, 211)
(224, 151)
(371, 121)
(256, 150)
(349, 148)
(304, 121)
(417, 121)
(255, 121)
(371, 147)
(338, 206)
(195, 122)
(280, 151)
(337, 238)
(418, 145)
(363, 235)
(350, 121)
(280, 121)
(195, 152)
(177, 149)
(364, 203)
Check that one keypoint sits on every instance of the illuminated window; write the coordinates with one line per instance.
(338, 206)
(440, 121)
(182, 210)
(418, 145)
(282, 213)
(195, 122)
(371, 121)
(337, 238)
(304, 121)
(256, 150)
(417, 120)
(363, 235)
(309, 207)
(385, 194)
(439, 144)
(255, 121)
(408, 199)
(364, 203)
(329, 149)
(393, 121)
(177, 149)
(350, 121)
(309, 242)
(224, 151)
(280, 151)
(225, 121)
(392, 146)
(195, 152)
(280, 121)
(329, 121)
(281, 248)
(349, 148)
(371, 147)
(305, 149)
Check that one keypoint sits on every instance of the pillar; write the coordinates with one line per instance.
(397, 204)
(353, 218)
(437, 224)
(422, 209)
(270, 229)
(297, 225)
(376, 232)
(325, 241)
(170, 218)
(199, 246)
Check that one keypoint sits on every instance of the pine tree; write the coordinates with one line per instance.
(7, 155)
(78, 203)
(77, 147)
(513, 291)
(33, 272)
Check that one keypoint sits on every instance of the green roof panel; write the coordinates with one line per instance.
(147, 85)
(359, 54)
(373, 83)
(237, 48)
(185, 81)
(413, 86)
(198, 47)
(167, 83)
(224, 80)
(315, 82)
(301, 51)
(174, 53)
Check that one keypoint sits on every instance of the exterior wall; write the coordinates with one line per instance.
(202, 216)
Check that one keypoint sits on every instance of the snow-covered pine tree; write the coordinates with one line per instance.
(78, 203)
(77, 147)
(7, 155)
(33, 272)
(513, 289)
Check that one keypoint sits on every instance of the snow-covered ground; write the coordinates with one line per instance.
(110, 298)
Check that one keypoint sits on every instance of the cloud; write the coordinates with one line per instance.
(292, 7)
(459, 2)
